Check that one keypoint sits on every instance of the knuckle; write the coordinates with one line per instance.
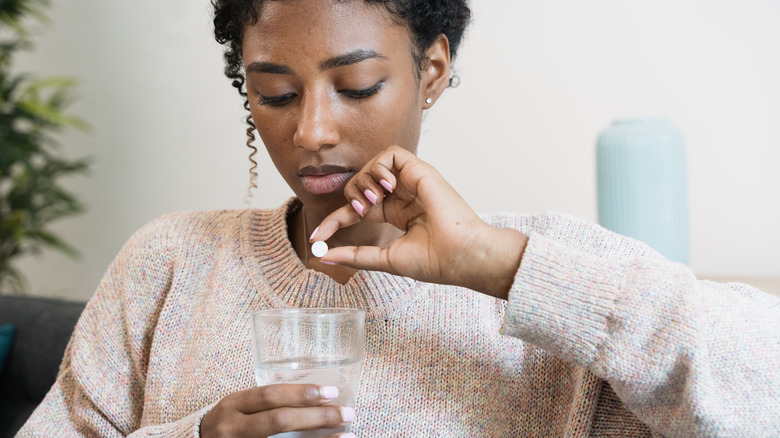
(228, 404)
(264, 395)
(358, 180)
(351, 187)
(279, 419)
(221, 422)
(310, 393)
(377, 168)
(366, 179)
(226, 429)
(331, 415)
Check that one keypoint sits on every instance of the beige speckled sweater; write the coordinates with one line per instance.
(601, 337)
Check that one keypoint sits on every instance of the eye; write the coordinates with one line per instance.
(362, 94)
(276, 100)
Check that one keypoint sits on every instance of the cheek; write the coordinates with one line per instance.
(392, 121)
(267, 124)
(412, 133)
(275, 131)
(276, 141)
(410, 117)
(404, 131)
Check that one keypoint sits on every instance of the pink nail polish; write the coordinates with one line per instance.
(347, 414)
(386, 184)
(370, 196)
(358, 207)
(313, 234)
(329, 392)
(324, 262)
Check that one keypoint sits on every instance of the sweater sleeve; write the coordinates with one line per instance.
(99, 391)
(687, 357)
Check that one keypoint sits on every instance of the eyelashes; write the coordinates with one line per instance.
(353, 94)
(362, 94)
(276, 100)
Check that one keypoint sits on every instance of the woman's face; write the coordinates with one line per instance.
(330, 85)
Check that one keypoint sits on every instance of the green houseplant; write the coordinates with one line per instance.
(32, 112)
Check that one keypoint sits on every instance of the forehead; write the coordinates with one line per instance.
(289, 31)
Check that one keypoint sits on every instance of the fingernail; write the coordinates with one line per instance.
(371, 196)
(329, 392)
(347, 414)
(358, 207)
(386, 184)
(327, 263)
(314, 233)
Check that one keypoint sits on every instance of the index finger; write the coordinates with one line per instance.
(343, 217)
(382, 169)
(263, 398)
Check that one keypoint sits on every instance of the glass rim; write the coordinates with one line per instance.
(309, 312)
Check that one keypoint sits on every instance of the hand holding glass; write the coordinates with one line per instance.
(322, 346)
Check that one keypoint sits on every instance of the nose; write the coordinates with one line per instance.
(317, 122)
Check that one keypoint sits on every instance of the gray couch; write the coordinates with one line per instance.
(43, 328)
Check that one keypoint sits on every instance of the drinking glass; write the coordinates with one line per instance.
(322, 346)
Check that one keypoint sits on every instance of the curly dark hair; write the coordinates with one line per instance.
(426, 20)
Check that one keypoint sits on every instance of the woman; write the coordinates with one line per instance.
(601, 335)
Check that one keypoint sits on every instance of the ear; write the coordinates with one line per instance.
(436, 73)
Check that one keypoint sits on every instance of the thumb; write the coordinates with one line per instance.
(369, 258)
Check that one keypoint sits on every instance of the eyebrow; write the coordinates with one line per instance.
(349, 58)
(268, 67)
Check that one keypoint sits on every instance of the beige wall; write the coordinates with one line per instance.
(539, 80)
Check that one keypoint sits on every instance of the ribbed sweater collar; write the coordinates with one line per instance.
(276, 270)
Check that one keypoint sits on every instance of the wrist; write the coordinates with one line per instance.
(501, 259)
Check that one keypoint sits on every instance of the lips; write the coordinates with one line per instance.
(324, 179)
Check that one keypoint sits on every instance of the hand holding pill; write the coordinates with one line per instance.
(445, 241)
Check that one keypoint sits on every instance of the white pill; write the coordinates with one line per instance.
(319, 248)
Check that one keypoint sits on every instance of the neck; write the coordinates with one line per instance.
(364, 233)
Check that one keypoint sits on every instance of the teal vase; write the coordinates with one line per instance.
(642, 184)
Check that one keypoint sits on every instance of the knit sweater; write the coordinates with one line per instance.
(600, 336)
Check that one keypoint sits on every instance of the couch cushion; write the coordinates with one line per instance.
(13, 415)
(7, 332)
(43, 328)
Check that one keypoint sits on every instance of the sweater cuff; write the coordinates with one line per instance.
(188, 426)
(562, 299)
